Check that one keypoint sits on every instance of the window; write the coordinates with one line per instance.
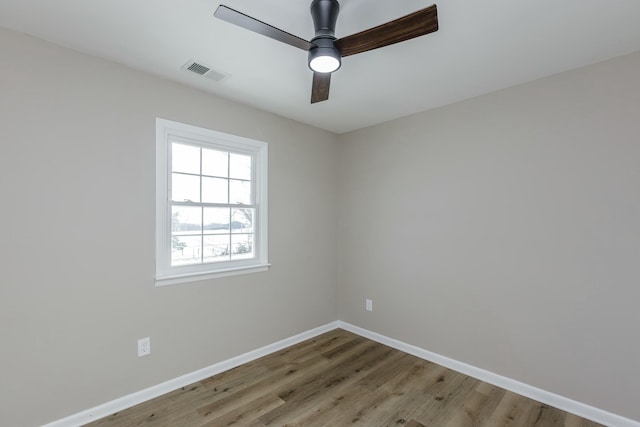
(211, 200)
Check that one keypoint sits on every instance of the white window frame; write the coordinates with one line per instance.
(166, 131)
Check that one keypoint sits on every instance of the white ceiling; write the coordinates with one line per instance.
(482, 46)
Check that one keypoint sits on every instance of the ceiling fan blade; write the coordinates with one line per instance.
(245, 21)
(320, 87)
(416, 24)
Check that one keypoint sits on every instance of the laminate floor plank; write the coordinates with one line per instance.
(404, 393)
(309, 349)
(338, 406)
(476, 409)
(160, 410)
(300, 400)
(492, 396)
(458, 407)
(286, 377)
(341, 379)
(514, 411)
(465, 415)
(350, 409)
(575, 421)
(247, 414)
(445, 400)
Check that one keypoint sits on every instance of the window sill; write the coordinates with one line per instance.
(186, 278)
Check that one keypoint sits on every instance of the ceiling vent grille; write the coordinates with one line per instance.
(203, 70)
(198, 68)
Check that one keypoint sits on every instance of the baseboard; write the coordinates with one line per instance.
(551, 399)
(130, 400)
(548, 398)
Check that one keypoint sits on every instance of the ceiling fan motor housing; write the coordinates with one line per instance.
(325, 16)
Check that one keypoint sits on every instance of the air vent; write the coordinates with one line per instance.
(203, 70)
(198, 68)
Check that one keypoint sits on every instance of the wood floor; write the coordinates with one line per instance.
(341, 379)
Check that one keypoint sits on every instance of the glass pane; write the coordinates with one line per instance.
(186, 220)
(215, 163)
(185, 158)
(240, 192)
(214, 190)
(242, 246)
(240, 166)
(242, 220)
(186, 250)
(216, 248)
(216, 220)
(185, 188)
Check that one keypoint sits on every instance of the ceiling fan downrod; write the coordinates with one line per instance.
(325, 16)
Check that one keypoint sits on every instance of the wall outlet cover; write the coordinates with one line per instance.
(144, 346)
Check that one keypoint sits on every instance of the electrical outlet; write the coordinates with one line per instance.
(144, 346)
(368, 305)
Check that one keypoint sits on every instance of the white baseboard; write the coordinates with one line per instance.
(548, 398)
(130, 400)
(551, 399)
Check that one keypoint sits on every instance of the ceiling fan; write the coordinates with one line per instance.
(325, 50)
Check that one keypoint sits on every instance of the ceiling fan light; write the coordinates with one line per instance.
(324, 64)
(324, 57)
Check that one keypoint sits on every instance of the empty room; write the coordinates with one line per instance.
(320, 213)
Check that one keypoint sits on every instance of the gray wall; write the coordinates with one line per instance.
(504, 231)
(77, 182)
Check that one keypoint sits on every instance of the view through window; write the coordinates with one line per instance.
(211, 216)
(212, 205)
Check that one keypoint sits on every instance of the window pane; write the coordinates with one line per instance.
(215, 163)
(185, 188)
(186, 250)
(216, 248)
(242, 220)
(216, 220)
(186, 220)
(240, 166)
(242, 246)
(214, 190)
(240, 192)
(210, 205)
(185, 158)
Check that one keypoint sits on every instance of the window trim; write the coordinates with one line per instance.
(166, 274)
